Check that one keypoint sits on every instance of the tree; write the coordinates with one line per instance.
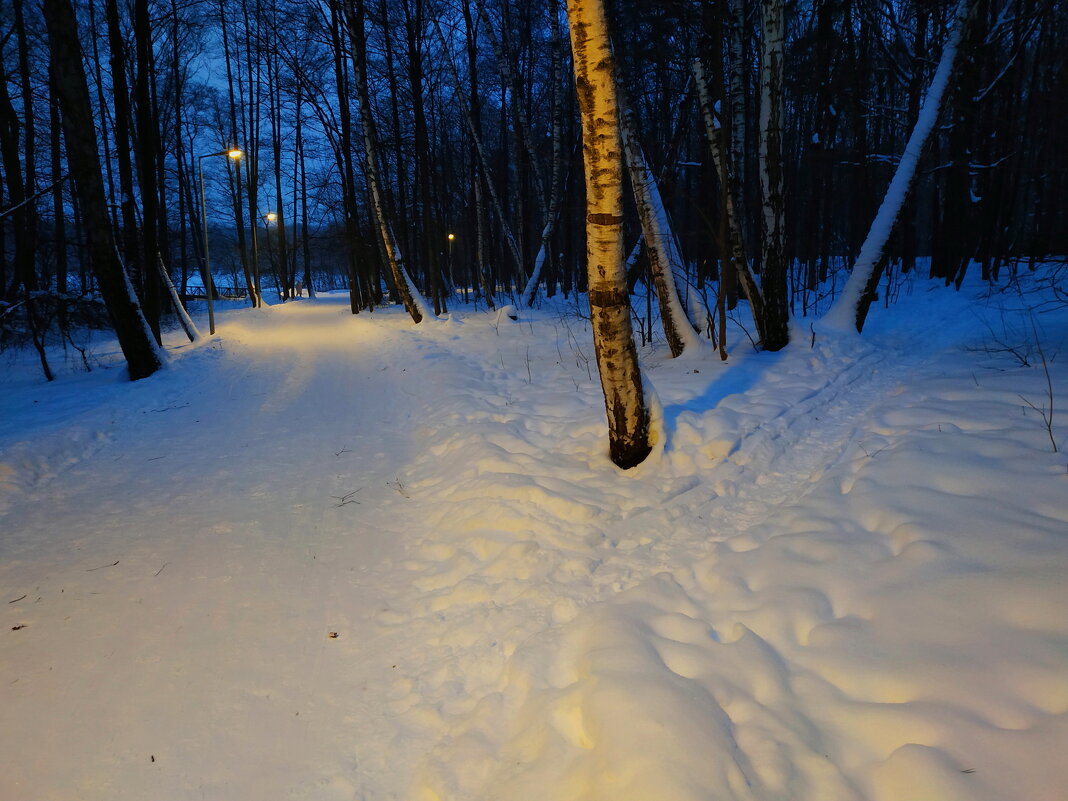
(852, 305)
(602, 149)
(775, 334)
(412, 299)
(665, 261)
(143, 356)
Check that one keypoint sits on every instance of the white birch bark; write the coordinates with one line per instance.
(617, 358)
(736, 252)
(412, 298)
(665, 257)
(843, 314)
(188, 325)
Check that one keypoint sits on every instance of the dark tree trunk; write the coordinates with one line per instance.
(142, 354)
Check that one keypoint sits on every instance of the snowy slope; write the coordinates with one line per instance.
(840, 576)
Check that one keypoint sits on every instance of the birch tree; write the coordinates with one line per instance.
(665, 260)
(734, 246)
(617, 357)
(413, 300)
(851, 308)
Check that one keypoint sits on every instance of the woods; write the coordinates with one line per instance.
(430, 153)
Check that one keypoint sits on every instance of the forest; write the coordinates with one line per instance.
(447, 136)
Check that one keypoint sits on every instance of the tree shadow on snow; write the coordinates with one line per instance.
(735, 379)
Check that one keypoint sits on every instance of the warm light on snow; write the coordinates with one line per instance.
(328, 556)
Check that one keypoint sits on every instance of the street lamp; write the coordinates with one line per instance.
(269, 218)
(209, 288)
(452, 280)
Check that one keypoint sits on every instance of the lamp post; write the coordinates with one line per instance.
(269, 218)
(209, 287)
(452, 280)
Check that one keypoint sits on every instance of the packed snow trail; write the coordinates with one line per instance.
(182, 578)
(773, 607)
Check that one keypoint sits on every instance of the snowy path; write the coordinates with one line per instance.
(753, 614)
(785, 431)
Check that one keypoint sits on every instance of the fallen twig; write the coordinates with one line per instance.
(17, 599)
(161, 569)
(346, 498)
(170, 408)
(91, 569)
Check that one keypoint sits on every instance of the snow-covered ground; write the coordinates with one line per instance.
(335, 557)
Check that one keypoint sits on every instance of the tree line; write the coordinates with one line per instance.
(431, 152)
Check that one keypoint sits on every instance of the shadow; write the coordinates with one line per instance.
(735, 378)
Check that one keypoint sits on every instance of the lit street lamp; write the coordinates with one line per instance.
(268, 219)
(209, 287)
(452, 281)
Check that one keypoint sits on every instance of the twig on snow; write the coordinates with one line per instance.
(91, 569)
(344, 500)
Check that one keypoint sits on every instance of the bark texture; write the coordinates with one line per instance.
(617, 357)
(735, 247)
(775, 333)
(664, 257)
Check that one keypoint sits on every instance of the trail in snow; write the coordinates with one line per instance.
(723, 475)
(774, 607)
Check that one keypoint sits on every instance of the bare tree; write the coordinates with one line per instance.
(143, 356)
(775, 333)
(412, 299)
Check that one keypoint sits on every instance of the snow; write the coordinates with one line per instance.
(840, 575)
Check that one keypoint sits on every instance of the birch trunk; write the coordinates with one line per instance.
(186, 321)
(776, 331)
(849, 309)
(617, 357)
(413, 300)
(736, 249)
(665, 261)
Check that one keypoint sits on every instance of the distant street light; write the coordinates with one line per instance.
(452, 281)
(269, 218)
(209, 286)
